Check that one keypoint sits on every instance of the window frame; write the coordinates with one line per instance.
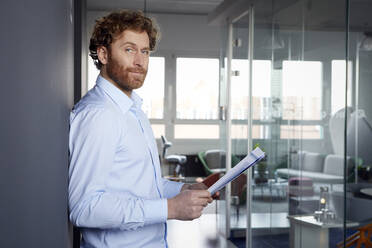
(170, 95)
(170, 120)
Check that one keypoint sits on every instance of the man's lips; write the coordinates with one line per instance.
(137, 71)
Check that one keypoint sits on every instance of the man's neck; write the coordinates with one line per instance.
(105, 76)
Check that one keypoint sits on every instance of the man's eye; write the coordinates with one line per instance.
(146, 52)
(129, 50)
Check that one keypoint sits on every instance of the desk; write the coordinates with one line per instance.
(307, 232)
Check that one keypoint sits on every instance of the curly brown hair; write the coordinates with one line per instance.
(107, 28)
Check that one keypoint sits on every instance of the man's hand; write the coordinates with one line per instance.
(194, 186)
(188, 204)
(199, 186)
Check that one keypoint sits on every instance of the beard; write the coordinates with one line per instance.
(123, 76)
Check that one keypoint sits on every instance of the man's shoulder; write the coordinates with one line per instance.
(96, 103)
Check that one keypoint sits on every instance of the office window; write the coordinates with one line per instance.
(339, 83)
(197, 88)
(158, 130)
(301, 132)
(261, 89)
(92, 74)
(302, 90)
(152, 91)
(185, 131)
(258, 131)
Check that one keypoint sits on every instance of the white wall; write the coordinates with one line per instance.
(178, 32)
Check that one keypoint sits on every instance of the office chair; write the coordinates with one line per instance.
(177, 160)
(213, 161)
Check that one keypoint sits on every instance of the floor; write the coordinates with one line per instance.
(269, 222)
(261, 221)
(199, 233)
(203, 233)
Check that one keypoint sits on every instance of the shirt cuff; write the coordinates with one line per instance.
(171, 189)
(156, 211)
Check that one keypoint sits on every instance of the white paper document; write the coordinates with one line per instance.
(251, 159)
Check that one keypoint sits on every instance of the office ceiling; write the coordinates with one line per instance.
(293, 14)
(201, 7)
(318, 14)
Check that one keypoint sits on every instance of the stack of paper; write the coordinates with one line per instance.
(250, 160)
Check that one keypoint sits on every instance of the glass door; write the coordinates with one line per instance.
(234, 113)
(288, 88)
(255, 121)
(240, 117)
(304, 121)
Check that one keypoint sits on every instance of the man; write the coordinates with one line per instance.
(116, 193)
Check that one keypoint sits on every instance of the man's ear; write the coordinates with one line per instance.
(102, 53)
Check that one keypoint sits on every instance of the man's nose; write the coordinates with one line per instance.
(139, 59)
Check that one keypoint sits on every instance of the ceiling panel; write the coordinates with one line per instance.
(157, 6)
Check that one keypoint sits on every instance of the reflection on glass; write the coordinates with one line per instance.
(197, 88)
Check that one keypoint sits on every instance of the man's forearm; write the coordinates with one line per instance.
(113, 210)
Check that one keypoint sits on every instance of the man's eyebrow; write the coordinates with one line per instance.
(133, 44)
(128, 43)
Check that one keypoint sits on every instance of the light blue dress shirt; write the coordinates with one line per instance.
(116, 193)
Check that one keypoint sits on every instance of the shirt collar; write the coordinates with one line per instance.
(119, 97)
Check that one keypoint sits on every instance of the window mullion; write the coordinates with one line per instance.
(170, 96)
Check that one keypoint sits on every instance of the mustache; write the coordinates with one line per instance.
(137, 70)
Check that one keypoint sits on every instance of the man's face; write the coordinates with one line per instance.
(127, 60)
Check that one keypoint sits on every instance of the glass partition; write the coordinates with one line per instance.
(311, 112)
(357, 200)
(315, 116)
